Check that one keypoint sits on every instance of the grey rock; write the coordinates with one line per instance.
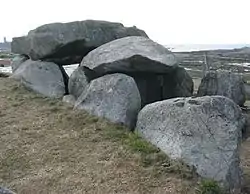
(45, 78)
(5, 191)
(114, 97)
(223, 83)
(17, 61)
(204, 132)
(67, 43)
(70, 99)
(130, 54)
(79, 80)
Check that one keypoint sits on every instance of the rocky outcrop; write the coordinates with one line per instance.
(151, 65)
(45, 78)
(223, 83)
(68, 43)
(17, 61)
(114, 97)
(204, 132)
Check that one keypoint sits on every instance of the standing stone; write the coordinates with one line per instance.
(45, 78)
(114, 97)
(223, 83)
(68, 43)
(203, 132)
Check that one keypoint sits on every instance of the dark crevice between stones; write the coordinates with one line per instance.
(136, 63)
(150, 86)
(25, 56)
(71, 53)
(65, 78)
(89, 73)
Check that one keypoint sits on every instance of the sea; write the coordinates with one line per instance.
(173, 47)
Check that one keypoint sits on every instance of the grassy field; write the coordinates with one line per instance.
(46, 147)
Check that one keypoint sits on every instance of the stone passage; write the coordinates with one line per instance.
(152, 66)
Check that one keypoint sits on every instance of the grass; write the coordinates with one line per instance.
(132, 140)
(150, 155)
(209, 187)
(46, 147)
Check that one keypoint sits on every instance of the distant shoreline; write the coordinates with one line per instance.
(203, 47)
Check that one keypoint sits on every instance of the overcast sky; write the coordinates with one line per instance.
(165, 21)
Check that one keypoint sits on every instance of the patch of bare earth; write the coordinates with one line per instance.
(46, 147)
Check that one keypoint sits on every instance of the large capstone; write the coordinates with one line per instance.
(152, 66)
(130, 54)
(45, 78)
(68, 43)
(223, 83)
(204, 132)
(114, 97)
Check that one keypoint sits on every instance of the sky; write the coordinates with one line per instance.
(165, 21)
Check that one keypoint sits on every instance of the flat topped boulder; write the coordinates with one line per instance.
(68, 43)
(130, 54)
